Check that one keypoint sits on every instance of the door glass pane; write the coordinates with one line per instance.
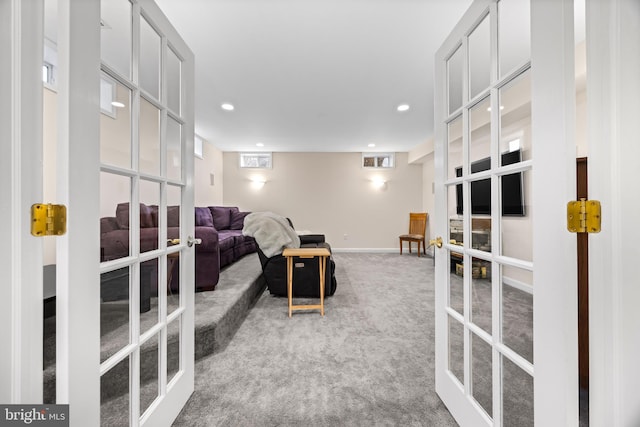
(173, 349)
(173, 281)
(454, 148)
(174, 197)
(174, 194)
(515, 120)
(174, 149)
(148, 294)
(173, 71)
(114, 312)
(149, 68)
(115, 194)
(149, 138)
(516, 222)
(454, 79)
(514, 29)
(456, 226)
(149, 201)
(149, 379)
(480, 230)
(456, 282)
(115, 35)
(517, 395)
(479, 58)
(480, 136)
(115, 123)
(114, 395)
(481, 205)
(456, 349)
(517, 310)
(482, 373)
(481, 294)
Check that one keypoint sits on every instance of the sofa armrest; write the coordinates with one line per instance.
(311, 238)
(108, 224)
(209, 236)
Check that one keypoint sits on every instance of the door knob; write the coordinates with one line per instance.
(192, 241)
(437, 242)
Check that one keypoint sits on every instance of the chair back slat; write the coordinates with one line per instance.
(417, 223)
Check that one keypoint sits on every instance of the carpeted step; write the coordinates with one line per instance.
(218, 315)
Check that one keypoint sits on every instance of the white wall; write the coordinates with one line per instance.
(331, 193)
(428, 195)
(206, 192)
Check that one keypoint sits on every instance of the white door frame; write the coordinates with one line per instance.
(613, 90)
(21, 50)
(78, 291)
(555, 322)
(554, 250)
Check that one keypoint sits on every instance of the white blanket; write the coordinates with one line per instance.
(272, 232)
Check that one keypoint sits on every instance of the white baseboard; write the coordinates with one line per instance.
(375, 251)
(517, 284)
(367, 250)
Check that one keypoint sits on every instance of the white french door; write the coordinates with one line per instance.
(125, 118)
(506, 333)
(146, 165)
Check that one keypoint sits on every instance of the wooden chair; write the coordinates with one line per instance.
(417, 230)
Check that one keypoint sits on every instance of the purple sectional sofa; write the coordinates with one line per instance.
(219, 228)
(229, 221)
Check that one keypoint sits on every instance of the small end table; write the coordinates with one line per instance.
(322, 254)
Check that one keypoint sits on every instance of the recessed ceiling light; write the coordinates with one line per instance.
(227, 107)
(117, 104)
(371, 145)
(501, 107)
(403, 107)
(259, 144)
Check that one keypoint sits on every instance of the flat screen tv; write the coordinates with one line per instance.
(512, 191)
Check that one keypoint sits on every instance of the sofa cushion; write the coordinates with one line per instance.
(226, 239)
(148, 239)
(173, 216)
(122, 215)
(237, 220)
(203, 217)
(114, 245)
(146, 216)
(108, 224)
(222, 216)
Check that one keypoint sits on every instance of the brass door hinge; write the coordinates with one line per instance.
(48, 220)
(583, 216)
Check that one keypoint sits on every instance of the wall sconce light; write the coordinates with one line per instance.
(257, 182)
(378, 183)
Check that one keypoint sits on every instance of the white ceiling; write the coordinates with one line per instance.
(314, 75)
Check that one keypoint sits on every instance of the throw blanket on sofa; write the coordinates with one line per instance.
(272, 232)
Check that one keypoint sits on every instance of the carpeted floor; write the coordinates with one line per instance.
(368, 362)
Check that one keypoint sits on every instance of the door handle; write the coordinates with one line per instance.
(193, 241)
(436, 242)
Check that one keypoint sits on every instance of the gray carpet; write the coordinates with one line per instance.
(368, 362)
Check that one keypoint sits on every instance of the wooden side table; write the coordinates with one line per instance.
(322, 254)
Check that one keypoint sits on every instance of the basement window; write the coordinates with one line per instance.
(378, 160)
(47, 73)
(256, 160)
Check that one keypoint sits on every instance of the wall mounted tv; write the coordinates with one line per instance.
(512, 189)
